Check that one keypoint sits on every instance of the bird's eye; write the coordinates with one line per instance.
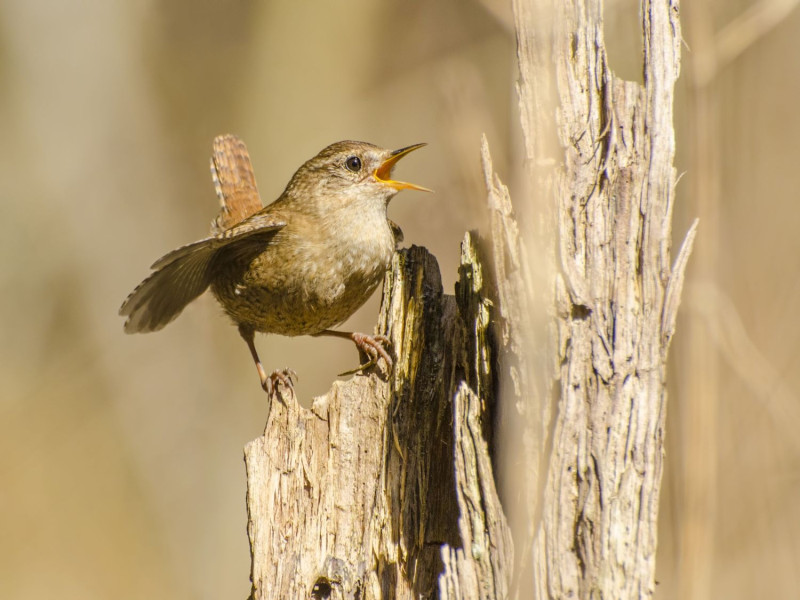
(353, 164)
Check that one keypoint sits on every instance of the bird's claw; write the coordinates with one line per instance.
(374, 347)
(286, 377)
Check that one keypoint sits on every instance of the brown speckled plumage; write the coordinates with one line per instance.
(298, 266)
(299, 285)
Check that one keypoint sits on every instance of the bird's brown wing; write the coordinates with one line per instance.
(166, 292)
(185, 273)
(253, 231)
(234, 183)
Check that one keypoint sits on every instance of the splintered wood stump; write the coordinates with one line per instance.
(384, 488)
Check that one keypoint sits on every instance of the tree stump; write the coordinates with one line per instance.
(386, 482)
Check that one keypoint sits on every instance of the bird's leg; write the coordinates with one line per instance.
(373, 346)
(268, 382)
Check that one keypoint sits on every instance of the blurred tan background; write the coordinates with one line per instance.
(121, 456)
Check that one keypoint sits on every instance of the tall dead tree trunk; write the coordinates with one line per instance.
(603, 171)
(549, 358)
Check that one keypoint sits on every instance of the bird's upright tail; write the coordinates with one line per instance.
(234, 181)
(239, 230)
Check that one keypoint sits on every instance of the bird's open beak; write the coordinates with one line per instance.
(383, 173)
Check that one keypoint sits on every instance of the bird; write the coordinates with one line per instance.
(298, 266)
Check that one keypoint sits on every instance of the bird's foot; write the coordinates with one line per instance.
(285, 377)
(374, 347)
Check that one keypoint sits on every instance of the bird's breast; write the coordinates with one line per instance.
(309, 279)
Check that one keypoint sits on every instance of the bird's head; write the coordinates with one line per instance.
(356, 173)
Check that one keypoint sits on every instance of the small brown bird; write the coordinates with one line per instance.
(298, 266)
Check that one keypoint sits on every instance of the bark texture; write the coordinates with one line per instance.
(605, 177)
(386, 482)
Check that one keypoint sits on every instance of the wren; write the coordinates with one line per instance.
(298, 266)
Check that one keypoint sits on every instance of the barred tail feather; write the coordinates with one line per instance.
(234, 181)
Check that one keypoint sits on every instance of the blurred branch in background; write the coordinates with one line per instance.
(730, 338)
(714, 333)
(720, 49)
